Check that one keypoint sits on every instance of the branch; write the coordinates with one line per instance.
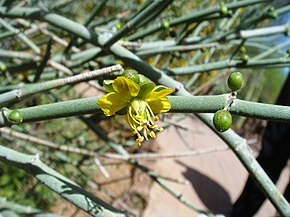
(56, 182)
(19, 94)
(179, 104)
(273, 62)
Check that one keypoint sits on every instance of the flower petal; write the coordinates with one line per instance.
(158, 101)
(112, 102)
(159, 92)
(126, 87)
(161, 105)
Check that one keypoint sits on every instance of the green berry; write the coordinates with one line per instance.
(15, 116)
(165, 25)
(132, 75)
(222, 120)
(235, 81)
(3, 68)
(119, 26)
(288, 51)
(223, 9)
(245, 57)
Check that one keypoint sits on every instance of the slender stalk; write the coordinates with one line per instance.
(179, 104)
(252, 63)
(182, 48)
(133, 23)
(282, 29)
(18, 54)
(19, 94)
(21, 36)
(85, 152)
(194, 16)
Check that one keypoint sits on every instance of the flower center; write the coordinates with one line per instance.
(142, 120)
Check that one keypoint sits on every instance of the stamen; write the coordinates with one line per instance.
(152, 134)
(139, 140)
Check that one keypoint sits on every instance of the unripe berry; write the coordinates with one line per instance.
(15, 116)
(222, 120)
(223, 9)
(245, 58)
(3, 68)
(235, 81)
(165, 25)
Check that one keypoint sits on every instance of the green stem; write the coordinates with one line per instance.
(193, 16)
(282, 29)
(179, 104)
(134, 22)
(21, 36)
(252, 63)
(58, 183)
(28, 90)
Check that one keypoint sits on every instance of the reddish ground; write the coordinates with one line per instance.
(215, 179)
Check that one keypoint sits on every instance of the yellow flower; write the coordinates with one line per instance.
(140, 104)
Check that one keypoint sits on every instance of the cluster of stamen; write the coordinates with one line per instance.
(142, 120)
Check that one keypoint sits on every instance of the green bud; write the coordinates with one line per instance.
(119, 26)
(245, 57)
(15, 116)
(132, 75)
(222, 120)
(165, 25)
(235, 81)
(223, 9)
(3, 68)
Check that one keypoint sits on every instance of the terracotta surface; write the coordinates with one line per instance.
(215, 179)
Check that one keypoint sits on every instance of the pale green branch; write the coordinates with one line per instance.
(56, 182)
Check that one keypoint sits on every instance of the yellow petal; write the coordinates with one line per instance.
(158, 101)
(159, 92)
(126, 87)
(161, 105)
(112, 102)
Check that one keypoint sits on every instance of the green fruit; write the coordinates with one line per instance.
(245, 57)
(235, 81)
(15, 116)
(222, 120)
(288, 51)
(3, 68)
(223, 9)
(132, 75)
(165, 25)
(119, 26)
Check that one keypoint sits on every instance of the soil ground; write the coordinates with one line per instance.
(215, 179)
